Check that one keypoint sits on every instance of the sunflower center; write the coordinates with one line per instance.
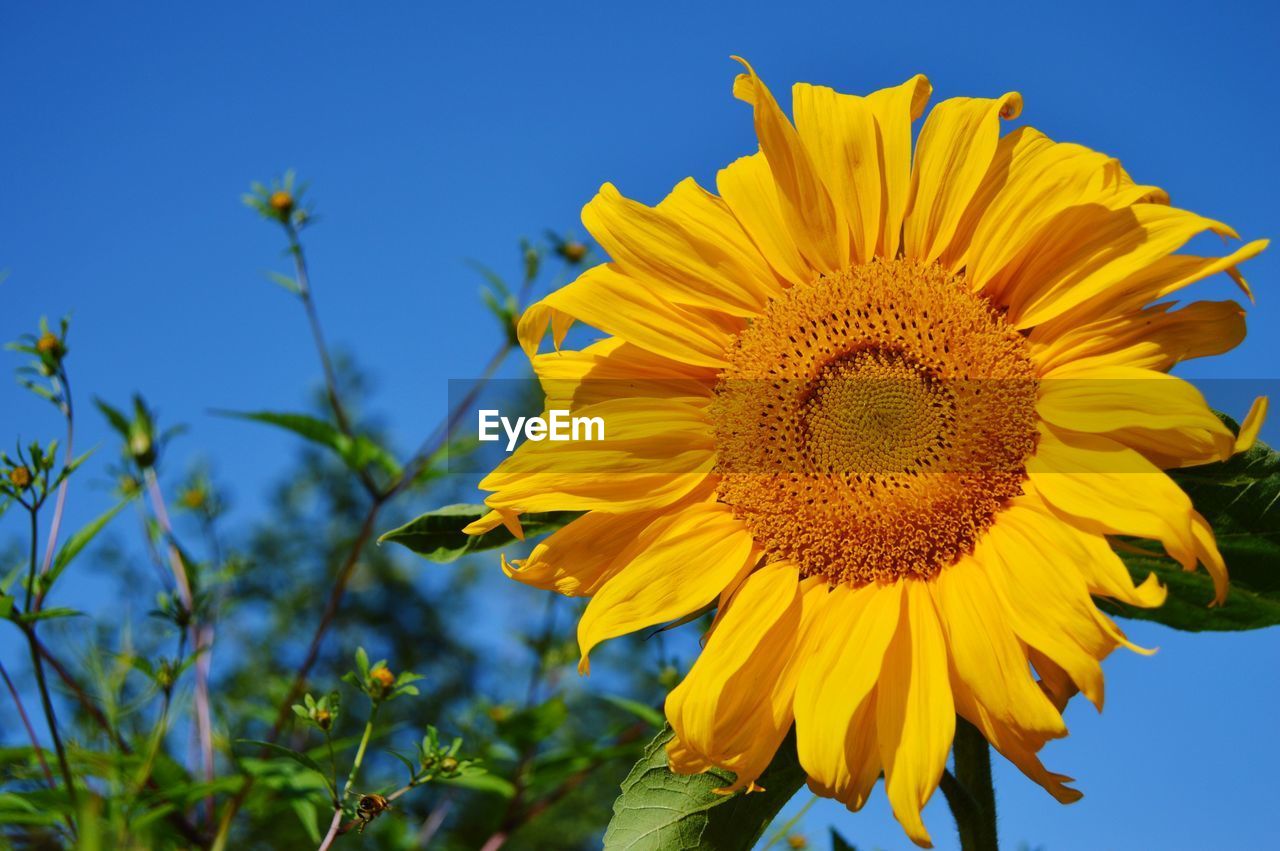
(871, 425)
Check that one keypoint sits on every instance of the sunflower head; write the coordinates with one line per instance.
(883, 405)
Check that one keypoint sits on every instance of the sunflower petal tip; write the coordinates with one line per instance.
(1248, 434)
(1011, 105)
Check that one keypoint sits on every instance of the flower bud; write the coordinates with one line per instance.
(324, 718)
(20, 477)
(281, 203)
(797, 841)
(572, 250)
(50, 345)
(448, 765)
(383, 677)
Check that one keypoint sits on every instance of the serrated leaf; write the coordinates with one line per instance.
(438, 536)
(1240, 497)
(357, 453)
(661, 811)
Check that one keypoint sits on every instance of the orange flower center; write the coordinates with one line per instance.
(871, 425)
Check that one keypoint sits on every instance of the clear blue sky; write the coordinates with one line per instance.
(432, 134)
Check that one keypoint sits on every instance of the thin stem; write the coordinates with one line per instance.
(201, 635)
(60, 502)
(364, 743)
(31, 733)
(46, 703)
(970, 792)
(303, 278)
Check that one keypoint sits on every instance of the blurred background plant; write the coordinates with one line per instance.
(228, 713)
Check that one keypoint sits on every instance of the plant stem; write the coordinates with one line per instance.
(31, 733)
(970, 792)
(37, 664)
(364, 743)
(60, 502)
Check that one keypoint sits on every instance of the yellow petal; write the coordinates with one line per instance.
(1087, 250)
(729, 709)
(1110, 489)
(895, 109)
(615, 369)
(853, 634)
(494, 519)
(578, 559)
(748, 188)
(1161, 278)
(605, 298)
(1042, 613)
(839, 132)
(1135, 406)
(675, 566)
(689, 244)
(986, 654)
(1252, 424)
(1153, 337)
(956, 145)
(812, 220)
(654, 452)
(915, 713)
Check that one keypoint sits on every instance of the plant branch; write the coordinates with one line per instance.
(31, 733)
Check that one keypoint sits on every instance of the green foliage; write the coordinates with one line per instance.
(1240, 498)
(438, 536)
(662, 811)
(358, 452)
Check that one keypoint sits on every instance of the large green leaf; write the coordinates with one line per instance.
(1240, 498)
(358, 452)
(661, 811)
(438, 536)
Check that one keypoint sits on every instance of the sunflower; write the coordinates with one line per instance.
(884, 410)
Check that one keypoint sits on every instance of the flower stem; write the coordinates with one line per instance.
(364, 743)
(970, 792)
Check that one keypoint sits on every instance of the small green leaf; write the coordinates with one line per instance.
(661, 811)
(438, 536)
(481, 783)
(79, 541)
(643, 711)
(297, 756)
(839, 843)
(358, 453)
(49, 614)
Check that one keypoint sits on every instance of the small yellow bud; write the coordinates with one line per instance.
(324, 718)
(193, 497)
(281, 202)
(448, 765)
(141, 448)
(49, 344)
(499, 713)
(573, 251)
(383, 677)
(20, 477)
(797, 841)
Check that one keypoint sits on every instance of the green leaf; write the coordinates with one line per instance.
(49, 614)
(661, 811)
(356, 452)
(438, 536)
(298, 757)
(1240, 497)
(839, 843)
(79, 541)
(491, 783)
(643, 711)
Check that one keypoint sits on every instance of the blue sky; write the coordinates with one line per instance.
(431, 135)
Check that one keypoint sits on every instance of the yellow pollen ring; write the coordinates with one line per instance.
(872, 424)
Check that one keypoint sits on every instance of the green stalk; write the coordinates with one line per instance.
(970, 792)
